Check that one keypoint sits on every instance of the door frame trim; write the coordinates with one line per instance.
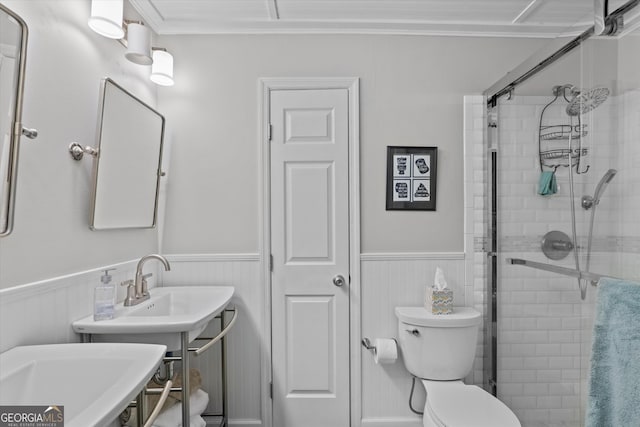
(265, 87)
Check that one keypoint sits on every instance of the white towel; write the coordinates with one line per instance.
(172, 417)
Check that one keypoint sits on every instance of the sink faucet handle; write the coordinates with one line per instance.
(145, 289)
(131, 292)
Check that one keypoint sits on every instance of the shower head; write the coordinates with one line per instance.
(590, 201)
(583, 102)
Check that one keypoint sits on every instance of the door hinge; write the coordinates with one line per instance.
(269, 132)
(271, 262)
(270, 390)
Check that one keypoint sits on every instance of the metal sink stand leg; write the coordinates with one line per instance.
(184, 353)
(223, 371)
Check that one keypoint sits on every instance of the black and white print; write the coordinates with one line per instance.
(411, 178)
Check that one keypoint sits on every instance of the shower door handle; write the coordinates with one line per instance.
(339, 281)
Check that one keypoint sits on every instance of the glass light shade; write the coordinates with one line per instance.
(162, 68)
(106, 18)
(138, 44)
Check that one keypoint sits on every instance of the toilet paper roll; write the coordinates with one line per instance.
(386, 350)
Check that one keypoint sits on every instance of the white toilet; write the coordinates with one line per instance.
(440, 350)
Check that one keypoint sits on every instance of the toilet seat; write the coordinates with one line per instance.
(455, 404)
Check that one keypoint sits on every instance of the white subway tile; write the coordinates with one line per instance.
(548, 349)
(535, 389)
(549, 402)
(536, 362)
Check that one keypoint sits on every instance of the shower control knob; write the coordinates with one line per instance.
(339, 281)
(556, 245)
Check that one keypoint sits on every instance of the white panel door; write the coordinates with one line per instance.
(310, 248)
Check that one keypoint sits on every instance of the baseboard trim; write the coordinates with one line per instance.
(392, 422)
(244, 422)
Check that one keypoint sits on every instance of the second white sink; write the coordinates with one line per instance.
(162, 318)
(93, 382)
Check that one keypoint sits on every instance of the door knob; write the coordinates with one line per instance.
(339, 280)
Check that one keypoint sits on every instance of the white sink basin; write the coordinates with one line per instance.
(94, 382)
(162, 318)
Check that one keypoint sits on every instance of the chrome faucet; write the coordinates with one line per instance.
(137, 289)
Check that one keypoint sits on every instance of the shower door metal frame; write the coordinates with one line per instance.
(490, 247)
(552, 52)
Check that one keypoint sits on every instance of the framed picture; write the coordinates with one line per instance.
(411, 178)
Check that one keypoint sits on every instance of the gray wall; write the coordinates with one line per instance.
(411, 94)
(65, 62)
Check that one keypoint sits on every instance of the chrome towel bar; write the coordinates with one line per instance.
(199, 350)
(158, 408)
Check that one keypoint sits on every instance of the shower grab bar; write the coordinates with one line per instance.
(593, 277)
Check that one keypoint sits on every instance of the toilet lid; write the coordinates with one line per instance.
(419, 316)
(454, 404)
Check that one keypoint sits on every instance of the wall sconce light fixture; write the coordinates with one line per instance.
(162, 67)
(106, 18)
(138, 44)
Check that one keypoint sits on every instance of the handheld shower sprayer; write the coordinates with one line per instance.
(589, 201)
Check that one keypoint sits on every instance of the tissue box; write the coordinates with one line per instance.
(439, 302)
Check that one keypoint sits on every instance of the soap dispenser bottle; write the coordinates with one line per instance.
(104, 298)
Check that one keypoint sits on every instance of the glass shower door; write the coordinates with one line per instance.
(543, 323)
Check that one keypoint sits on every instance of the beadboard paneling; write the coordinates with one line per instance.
(245, 342)
(42, 312)
(387, 284)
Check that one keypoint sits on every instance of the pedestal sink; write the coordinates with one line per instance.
(162, 318)
(173, 316)
(93, 382)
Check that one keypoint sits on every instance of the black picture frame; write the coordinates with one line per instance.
(412, 178)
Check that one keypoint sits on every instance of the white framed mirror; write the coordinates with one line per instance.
(127, 167)
(13, 56)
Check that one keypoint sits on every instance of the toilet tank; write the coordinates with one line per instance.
(438, 347)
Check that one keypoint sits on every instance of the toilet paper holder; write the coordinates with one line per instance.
(366, 343)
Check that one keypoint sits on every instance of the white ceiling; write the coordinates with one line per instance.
(518, 18)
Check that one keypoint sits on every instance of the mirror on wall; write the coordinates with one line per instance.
(126, 169)
(13, 49)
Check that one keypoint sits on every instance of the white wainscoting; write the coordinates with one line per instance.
(388, 281)
(245, 342)
(45, 311)
(42, 312)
